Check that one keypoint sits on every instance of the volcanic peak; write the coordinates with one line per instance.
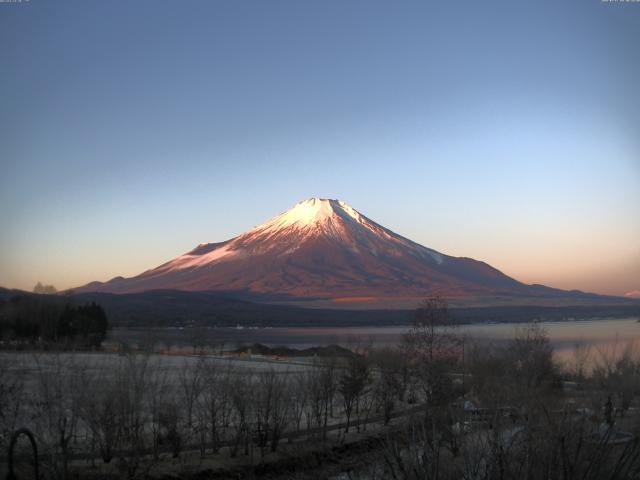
(310, 212)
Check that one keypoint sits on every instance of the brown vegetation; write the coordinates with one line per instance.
(470, 411)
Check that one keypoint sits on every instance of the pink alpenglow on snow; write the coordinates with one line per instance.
(322, 248)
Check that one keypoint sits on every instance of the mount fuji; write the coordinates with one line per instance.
(323, 249)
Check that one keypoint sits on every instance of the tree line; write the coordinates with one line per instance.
(45, 321)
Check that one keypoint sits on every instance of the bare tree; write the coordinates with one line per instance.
(11, 398)
(581, 358)
(170, 423)
(532, 356)
(352, 382)
(134, 382)
(281, 408)
(240, 396)
(390, 383)
(433, 346)
(158, 392)
(433, 334)
(190, 382)
(299, 393)
(98, 411)
(270, 409)
(56, 406)
(321, 383)
(216, 401)
(618, 376)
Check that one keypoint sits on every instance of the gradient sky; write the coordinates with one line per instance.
(504, 131)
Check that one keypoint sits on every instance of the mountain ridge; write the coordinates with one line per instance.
(175, 308)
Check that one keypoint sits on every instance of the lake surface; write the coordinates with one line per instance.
(604, 336)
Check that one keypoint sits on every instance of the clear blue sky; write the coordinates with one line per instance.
(505, 131)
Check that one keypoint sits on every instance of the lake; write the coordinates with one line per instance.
(604, 336)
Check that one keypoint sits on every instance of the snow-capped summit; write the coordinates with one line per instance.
(320, 218)
(320, 248)
(313, 214)
(311, 211)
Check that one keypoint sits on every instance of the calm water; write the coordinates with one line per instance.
(605, 336)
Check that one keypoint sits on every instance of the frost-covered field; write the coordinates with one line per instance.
(27, 368)
(135, 408)
(27, 364)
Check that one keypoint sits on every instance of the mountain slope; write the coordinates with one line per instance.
(322, 249)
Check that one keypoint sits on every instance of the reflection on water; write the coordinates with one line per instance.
(605, 336)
